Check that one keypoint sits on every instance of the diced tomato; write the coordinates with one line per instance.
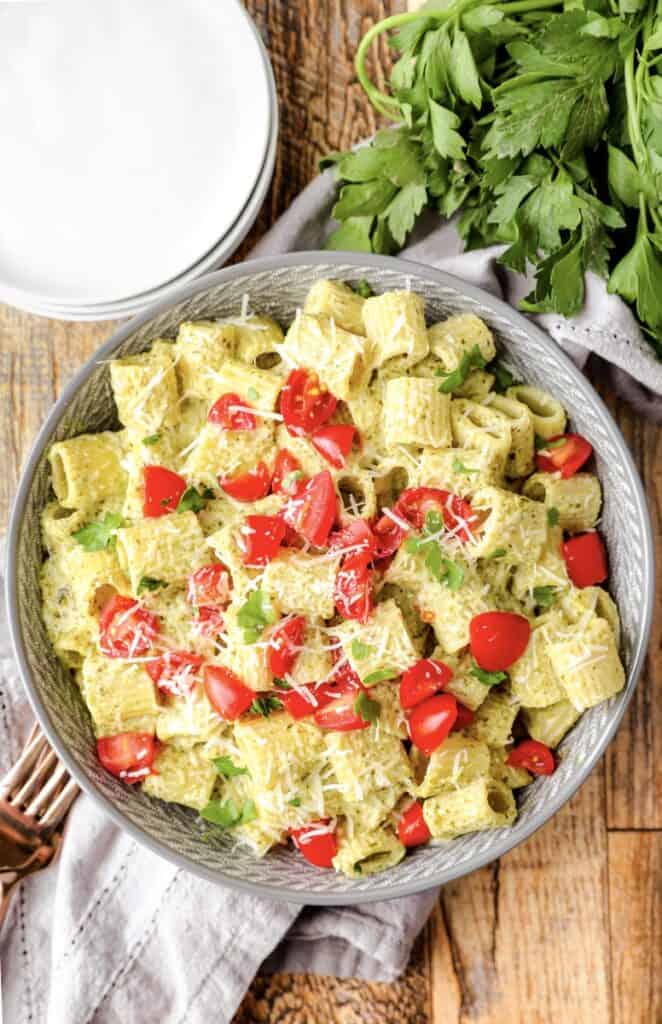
(210, 585)
(305, 403)
(282, 481)
(262, 537)
(209, 621)
(285, 642)
(174, 672)
(335, 442)
(229, 696)
(498, 639)
(356, 535)
(416, 503)
(566, 457)
(163, 490)
(353, 589)
(423, 680)
(129, 755)
(126, 628)
(313, 510)
(431, 722)
(389, 536)
(317, 842)
(586, 559)
(534, 756)
(344, 676)
(249, 486)
(340, 716)
(412, 827)
(231, 412)
(308, 699)
(465, 717)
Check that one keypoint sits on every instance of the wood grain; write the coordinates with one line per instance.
(565, 928)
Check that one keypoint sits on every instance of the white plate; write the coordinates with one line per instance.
(134, 137)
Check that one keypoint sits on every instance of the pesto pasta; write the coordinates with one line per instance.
(331, 583)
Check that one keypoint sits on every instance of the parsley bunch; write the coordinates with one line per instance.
(541, 126)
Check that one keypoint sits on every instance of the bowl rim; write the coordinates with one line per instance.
(184, 291)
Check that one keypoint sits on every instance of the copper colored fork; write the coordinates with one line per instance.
(35, 796)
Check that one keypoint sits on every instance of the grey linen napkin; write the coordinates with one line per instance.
(605, 326)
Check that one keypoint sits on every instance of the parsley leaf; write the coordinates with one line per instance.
(265, 705)
(363, 289)
(226, 767)
(193, 500)
(503, 378)
(281, 684)
(359, 649)
(379, 675)
(151, 439)
(367, 708)
(456, 378)
(487, 678)
(150, 583)
(295, 801)
(497, 553)
(552, 516)
(227, 814)
(100, 535)
(544, 596)
(459, 467)
(254, 615)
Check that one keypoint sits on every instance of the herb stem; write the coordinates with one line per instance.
(522, 6)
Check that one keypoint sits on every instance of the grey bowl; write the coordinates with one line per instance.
(277, 286)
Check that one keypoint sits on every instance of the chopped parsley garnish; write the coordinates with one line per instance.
(295, 801)
(252, 394)
(150, 583)
(543, 444)
(254, 615)
(552, 516)
(193, 500)
(97, 536)
(503, 378)
(226, 813)
(367, 708)
(360, 650)
(488, 678)
(544, 596)
(265, 705)
(151, 439)
(459, 467)
(442, 569)
(291, 478)
(472, 360)
(497, 553)
(281, 684)
(379, 675)
(226, 767)
(363, 289)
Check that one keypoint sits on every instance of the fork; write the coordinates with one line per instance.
(35, 796)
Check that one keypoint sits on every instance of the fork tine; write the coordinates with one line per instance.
(17, 775)
(32, 784)
(60, 806)
(44, 795)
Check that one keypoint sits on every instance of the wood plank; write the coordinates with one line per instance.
(527, 939)
(635, 906)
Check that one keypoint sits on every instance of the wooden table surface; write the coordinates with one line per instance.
(568, 927)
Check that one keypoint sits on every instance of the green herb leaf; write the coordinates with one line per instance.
(552, 516)
(459, 467)
(221, 812)
(497, 553)
(359, 649)
(487, 678)
(363, 289)
(252, 394)
(544, 596)
(226, 767)
(412, 545)
(469, 361)
(281, 684)
(503, 378)
(150, 583)
(255, 615)
(295, 801)
(265, 705)
(248, 812)
(434, 523)
(100, 535)
(151, 440)
(637, 277)
(543, 445)
(367, 708)
(193, 500)
(379, 675)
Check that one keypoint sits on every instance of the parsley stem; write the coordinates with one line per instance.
(522, 6)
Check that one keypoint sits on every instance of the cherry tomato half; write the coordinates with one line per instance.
(129, 755)
(231, 412)
(317, 842)
(416, 503)
(287, 478)
(163, 489)
(285, 642)
(412, 826)
(126, 628)
(497, 639)
(431, 722)
(534, 756)
(249, 486)
(305, 403)
(262, 537)
(334, 443)
(210, 585)
(174, 672)
(423, 680)
(389, 535)
(312, 511)
(227, 694)
(340, 716)
(585, 559)
(566, 457)
(353, 589)
(357, 536)
(209, 621)
(465, 717)
(308, 699)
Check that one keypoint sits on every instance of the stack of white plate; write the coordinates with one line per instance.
(139, 140)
